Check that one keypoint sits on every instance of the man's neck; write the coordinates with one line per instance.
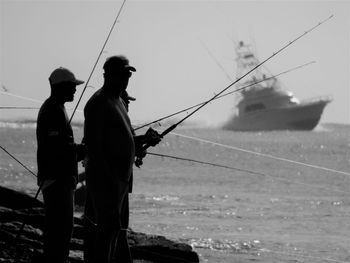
(57, 99)
(111, 90)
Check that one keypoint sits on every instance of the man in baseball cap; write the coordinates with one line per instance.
(63, 84)
(111, 151)
(57, 157)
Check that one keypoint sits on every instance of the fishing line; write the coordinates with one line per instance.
(21, 97)
(98, 58)
(201, 162)
(262, 154)
(18, 108)
(249, 171)
(29, 99)
(223, 95)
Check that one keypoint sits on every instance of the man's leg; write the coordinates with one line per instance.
(58, 202)
(89, 229)
(107, 203)
(122, 250)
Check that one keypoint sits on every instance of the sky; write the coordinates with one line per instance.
(183, 51)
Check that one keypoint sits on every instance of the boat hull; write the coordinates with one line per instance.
(304, 116)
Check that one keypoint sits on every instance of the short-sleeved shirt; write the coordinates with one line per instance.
(56, 155)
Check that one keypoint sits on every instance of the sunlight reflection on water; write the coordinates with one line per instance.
(225, 245)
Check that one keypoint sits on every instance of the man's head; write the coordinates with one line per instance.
(63, 84)
(117, 71)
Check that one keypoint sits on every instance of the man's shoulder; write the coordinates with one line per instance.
(96, 102)
(95, 98)
(51, 113)
(47, 104)
(49, 107)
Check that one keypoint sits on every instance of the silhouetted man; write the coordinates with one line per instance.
(110, 156)
(57, 158)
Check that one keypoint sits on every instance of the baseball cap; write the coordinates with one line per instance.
(116, 63)
(61, 74)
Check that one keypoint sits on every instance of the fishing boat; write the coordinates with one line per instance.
(264, 105)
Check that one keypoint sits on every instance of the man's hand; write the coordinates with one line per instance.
(140, 153)
(152, 137)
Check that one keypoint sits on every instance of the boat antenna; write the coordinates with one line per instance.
(215, 60)
(223, 95)
(138, 161)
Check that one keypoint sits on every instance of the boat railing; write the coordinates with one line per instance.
(328, 98)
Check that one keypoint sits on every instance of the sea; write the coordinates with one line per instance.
(281, 196)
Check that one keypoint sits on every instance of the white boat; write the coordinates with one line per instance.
(265, 105)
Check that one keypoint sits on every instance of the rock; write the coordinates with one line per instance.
(17, 200)
(27, 247)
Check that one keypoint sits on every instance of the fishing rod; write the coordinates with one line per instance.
(98, 58)
(22, 164)
(172, 127)
(36, 195)
(223, 95)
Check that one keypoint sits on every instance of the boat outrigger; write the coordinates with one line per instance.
(266, 106)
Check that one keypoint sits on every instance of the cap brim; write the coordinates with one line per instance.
(131, 68)
(78, 82)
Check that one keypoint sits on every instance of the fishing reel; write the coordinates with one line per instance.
(150, 138)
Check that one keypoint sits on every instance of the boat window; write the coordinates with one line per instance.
(248, 55)
(253, 107)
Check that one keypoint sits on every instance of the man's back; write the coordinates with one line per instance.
(55, 155)
(108, 137)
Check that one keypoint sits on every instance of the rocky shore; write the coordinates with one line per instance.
(24, 246)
